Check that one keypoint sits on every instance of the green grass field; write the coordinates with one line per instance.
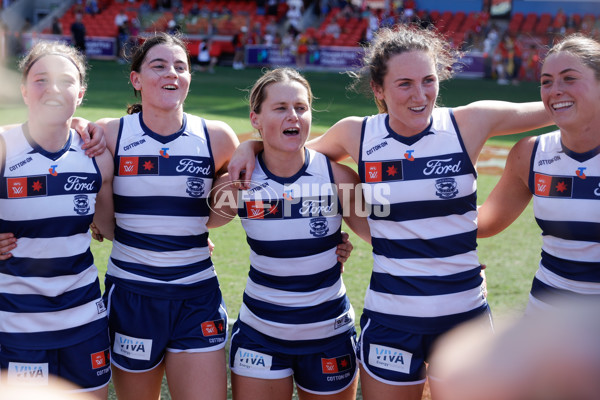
(511, 256)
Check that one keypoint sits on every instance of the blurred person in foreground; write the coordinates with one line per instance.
(553, 355)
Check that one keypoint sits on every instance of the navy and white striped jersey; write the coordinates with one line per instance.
(422, 192)
(49, 289)
(566, 204)
(160, 189)
(294, 293)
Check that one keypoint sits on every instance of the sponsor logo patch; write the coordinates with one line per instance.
(389, 358)
(131, 347)
(249, 359)
(27, 374)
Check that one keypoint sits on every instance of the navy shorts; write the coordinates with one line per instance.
(85, 364)
(327, 372)
(143, 328)
(393, 356)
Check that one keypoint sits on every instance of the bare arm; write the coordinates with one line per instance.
(223, 205)
(223, 142)
(511, 195)
(104, 217)
(481, 120)
(348, 184)
(340, 141)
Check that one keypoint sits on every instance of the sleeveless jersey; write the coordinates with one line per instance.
(160, 189)
(49, 290)
(422, 194)
(566, 203)
(294, 293)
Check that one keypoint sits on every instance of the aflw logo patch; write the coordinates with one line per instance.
(383, 171)
(30, 186)
(138, 165)
(100, 359)
(336, 365)
(211, 328)
(553, 186)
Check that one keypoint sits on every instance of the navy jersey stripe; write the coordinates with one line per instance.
(166, 273)
(47, 268)
(297, 283)
(53, 339)
(162, 205)
(35, 303)
(445, 246)
(294, 248)
(426, 285)
(426, 209)
(571, 230)
(159, 243)
(573, 270)
(298, 315)
(48, 227)
(552, 295)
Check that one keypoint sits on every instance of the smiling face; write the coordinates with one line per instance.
(52, 90)
(570, 91)
(410, 89)
(164, 77)
(284, 118)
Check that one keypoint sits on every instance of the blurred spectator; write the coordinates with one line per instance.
(207, 59)
(294, 17)
(163, 5)
(261, 8)
(78, 33)
(91, 7)
(57, 28)
(333, 28)
(195, 10)
(239, 45)
(426, 22)
(173, 28)
(145, 8)
(301, 51)
(272, 7)
(511, 60)
(121, 20)
(532, 57)
(559, 26)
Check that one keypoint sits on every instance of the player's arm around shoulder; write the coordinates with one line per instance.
(223, 141)
(350, 194)
(481, 120)
(511, 194)
(223, 202)
(341, 140)
(104, 217)
(111, 127)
